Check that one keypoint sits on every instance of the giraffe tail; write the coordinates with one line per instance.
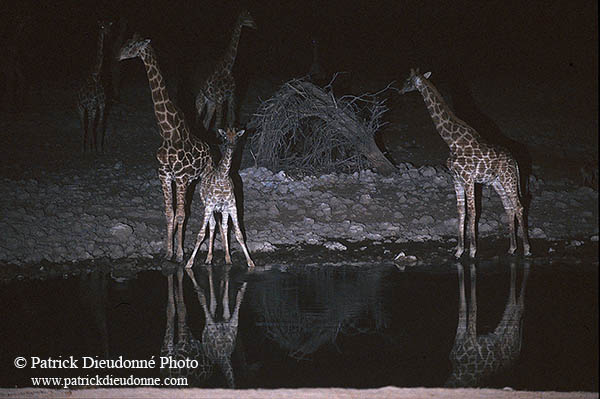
(520, 190)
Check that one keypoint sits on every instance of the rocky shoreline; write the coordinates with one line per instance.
(116, 211)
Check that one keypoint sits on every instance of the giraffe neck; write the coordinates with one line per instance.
(440, 113)
(163, 106)
(227, 369)
(99, 56)
(225, 162)
(230, 54)
(119, 40)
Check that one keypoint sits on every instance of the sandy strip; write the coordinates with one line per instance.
(307, 393)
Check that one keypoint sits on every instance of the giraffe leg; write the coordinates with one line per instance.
(211, 238)
(182, 328)
(462, 309)
(238, 302)
(210, 110)
(83, 114)
(226, 311)
(91, 120)
(200, 105)
(510, 213)
(240, 238)
(181, 187)
(116, 80)
(169, 214)
(472, 327)
(101, 126)
(524, 283)
(225, 236)
(200, 238)
(225, 240)
(167, 347)
(470, 194)
(231, 111)
(521, 220)
(211, 285)
(219, 116)
(94, 131)
(460, 204)
(512, 296)
(190, 274)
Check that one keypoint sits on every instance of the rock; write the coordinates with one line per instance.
(122, 231)
(426, 219)
(116, 252)
(537, 232)
(485, 228)
(374, 236)
(334, 246)
(280, 175)
(291, 206)
(365, 199)
(273, 210)
(402, 258)
(427, 171)
(413, 174)
(261, 247)
(356, 228)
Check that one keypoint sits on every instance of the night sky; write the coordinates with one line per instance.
(384, 38)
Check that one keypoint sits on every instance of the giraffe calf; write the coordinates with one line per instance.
(216, 192)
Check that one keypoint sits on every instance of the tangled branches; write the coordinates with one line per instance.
(304, 128)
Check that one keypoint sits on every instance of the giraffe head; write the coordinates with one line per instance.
(245, 19)
(414, 81)
(104, 26)
(133, 47)
(230, 135)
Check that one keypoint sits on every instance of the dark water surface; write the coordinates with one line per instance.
(534, 325)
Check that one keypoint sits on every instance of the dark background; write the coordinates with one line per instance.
(547, 39)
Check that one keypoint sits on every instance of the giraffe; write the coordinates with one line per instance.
(219, 337)
(216, 192)
(187, 347)
(472, 160)
(115, 65)
(219, 87)
(477, 359)
(91, 99)
(181, 156)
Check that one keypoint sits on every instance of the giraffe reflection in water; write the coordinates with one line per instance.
(93, 294)
(480, 360)
(220, 334)
(187, 347)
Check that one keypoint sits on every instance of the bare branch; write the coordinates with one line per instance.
(304, 127)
